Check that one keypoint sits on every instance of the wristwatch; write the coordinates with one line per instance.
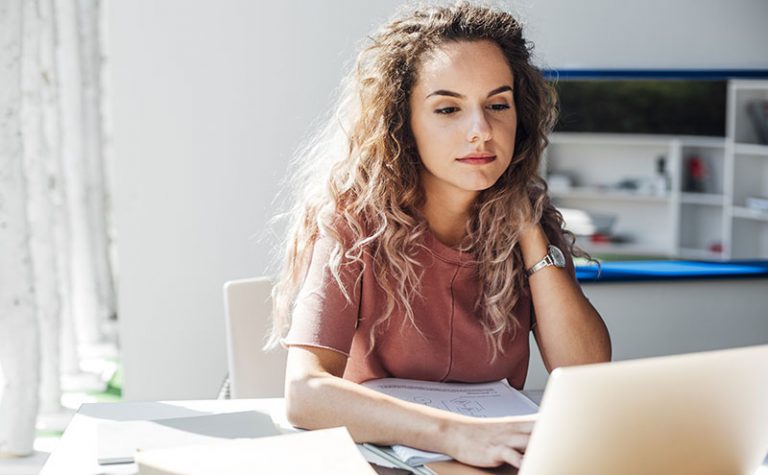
(554, 257)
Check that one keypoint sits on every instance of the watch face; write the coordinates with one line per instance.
(557, 256)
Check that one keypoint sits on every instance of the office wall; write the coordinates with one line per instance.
(648, 319)
(649, 34)
(210, 99)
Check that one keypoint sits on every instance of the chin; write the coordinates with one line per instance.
(479, 185)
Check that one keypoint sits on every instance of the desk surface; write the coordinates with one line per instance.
(77, 450)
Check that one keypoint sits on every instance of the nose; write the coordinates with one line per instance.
(479, 128)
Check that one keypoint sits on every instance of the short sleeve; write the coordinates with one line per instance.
(322, 315)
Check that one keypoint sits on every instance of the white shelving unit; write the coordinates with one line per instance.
(709, 223)
(747, 175)
(711, 199)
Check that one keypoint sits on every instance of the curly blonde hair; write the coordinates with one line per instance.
(360, 173)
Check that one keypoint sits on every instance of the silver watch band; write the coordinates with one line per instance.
(554, 257)
(546, 262)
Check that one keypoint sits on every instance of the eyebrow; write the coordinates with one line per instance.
(443, 92)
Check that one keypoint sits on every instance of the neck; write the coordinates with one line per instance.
(447, 212)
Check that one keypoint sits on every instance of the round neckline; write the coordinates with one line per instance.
(446, 252)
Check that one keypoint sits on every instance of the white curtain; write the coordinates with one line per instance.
(56, 285)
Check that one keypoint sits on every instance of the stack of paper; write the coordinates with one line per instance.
(119, 440)
(497, 399)
(327, 451)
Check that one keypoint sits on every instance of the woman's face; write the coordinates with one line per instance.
(463, 116)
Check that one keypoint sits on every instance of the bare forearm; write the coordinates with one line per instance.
(569, 330)
(327, 401)
(317, 397)
(571, 335)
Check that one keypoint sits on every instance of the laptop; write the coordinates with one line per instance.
(699, 413)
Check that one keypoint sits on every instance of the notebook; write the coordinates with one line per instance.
(497, 399)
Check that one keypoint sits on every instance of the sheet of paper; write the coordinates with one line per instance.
(325, 451)
(476, 400)
(119, 440)
(496, 399)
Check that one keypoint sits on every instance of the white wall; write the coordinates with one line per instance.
(648, 319)
(211, 98)
(649, 33)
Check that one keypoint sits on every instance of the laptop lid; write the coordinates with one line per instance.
(697, 414)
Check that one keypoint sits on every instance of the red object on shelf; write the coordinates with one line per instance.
(696, 174)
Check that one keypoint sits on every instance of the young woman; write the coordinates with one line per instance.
(423, 243)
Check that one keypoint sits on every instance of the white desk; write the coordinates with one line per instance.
(77, 450)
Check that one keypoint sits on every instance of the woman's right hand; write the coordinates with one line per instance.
(490, 442)
(317, 397)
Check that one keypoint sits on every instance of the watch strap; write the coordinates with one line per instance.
(545, 262)
(554, 257)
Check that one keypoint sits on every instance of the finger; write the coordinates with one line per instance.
(512, 457)
(518, 441)
(521, 425)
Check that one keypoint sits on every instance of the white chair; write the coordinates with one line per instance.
(253, 373)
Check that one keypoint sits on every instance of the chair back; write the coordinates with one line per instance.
(253, 372)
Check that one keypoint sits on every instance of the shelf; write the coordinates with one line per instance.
(692, 141)
(703, 254)
(750, 149)
(749, 85)
(588, 193)
(707, 199)
(679, 222)
(747, 213)
(626, 248)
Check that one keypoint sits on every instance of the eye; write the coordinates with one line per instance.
(499, 107)
(446, 110)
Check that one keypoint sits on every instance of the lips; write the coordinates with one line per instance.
(479, 159)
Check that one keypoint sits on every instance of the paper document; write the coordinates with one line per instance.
(325, 451)
(497, 399)
(119, 440)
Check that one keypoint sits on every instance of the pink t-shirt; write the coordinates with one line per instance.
(453, 346)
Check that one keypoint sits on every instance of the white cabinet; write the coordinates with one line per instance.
(748, 162)
(701, 213)
(617, 175)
